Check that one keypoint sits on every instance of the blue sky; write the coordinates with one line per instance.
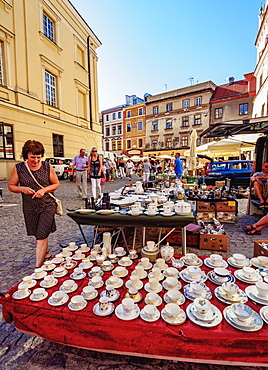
(150, 46)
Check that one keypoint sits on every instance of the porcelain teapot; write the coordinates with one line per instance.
(139, 188)
(167, 252)
(182, 208)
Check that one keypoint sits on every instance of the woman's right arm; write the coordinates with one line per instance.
(13, 184)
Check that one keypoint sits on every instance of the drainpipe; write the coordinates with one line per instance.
(89, 82)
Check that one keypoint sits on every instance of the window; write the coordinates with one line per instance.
(243, 109)
(140, 111)
(50, 89)
(184, 141)
(155, 110)
(260, 81)
(168, 142)
(114, 115)
(119, 115)
(140, 126)
(155, 126)
(169, 107)
(197, 119)
(119, 145)
(218, 113)
(58, 145)
(82, 112)
(168, 124)
(1, 64)
(107, 146)
(128, 127)
(186, 103)
(128, 113)
(107, 117)
(128, 144)
(113, 145)
(119, 130)
(107, 131)
(48, 25)
(185, 121)
(6, 141)
(198, 101)
(114, 130)
(140, 143)
(80, 56)
(154, 144)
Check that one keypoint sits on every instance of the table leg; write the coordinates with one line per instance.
(124, 237)
(143, 236)
(83, 234)
(134, 238)
(183, 240)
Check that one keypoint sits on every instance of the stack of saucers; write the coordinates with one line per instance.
(173, 314)
(197, 289)
(203, 313)
(230, 293)
(238, 261)
(242, 317)
(220, 275)
(258, 292)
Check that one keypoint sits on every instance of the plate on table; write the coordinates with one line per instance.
(83, 267)
(160, 278)
(176, 287)
(96, 286)
(138, 287)
(59, 275)
(211, 265)
(240, 276)
(252, 293)
(178, 320)
(264, 314)
(118, 285)
(149, 290)
(239, 297)
(112, 298)
(52, 302)
(158, 302)
(255, 262)
(180, 301)
(93, 296)
(150, 214)
(135, 213)
(97, 311)
(233, 263)
(213, 278)
(185, 276)
(119, 311)
(164, 267)
(79, 258)
(149, 266)
(72, 307)
(144, 317)
(105, 211)
(230, 317)
(85, 211)
(45, 268)
(91, 273)
(17, 296)
(75, 286)
(189, 293)
(216, 321)
(33, 283)
(121, 263)
(41, 276)
(137, 298)
(198, 263)
(167, 214)
(43, 284)
(32, 298)
(74, 248)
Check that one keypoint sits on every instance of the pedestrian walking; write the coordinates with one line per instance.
(108, 169)
(178, 166)
(121, 166)
(94, 170)
(129, 168)
(39, 207)
(80, 164)
(146, 171)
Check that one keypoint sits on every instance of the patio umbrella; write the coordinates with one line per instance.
(192, 159)
(164, 156)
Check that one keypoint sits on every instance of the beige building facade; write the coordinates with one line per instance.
(48, 80)
(134, 131)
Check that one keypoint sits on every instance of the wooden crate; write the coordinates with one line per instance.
(259, 250)
(213, 242)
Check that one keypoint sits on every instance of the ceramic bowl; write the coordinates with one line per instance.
(241, 311)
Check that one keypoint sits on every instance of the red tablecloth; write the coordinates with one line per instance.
(186, 342)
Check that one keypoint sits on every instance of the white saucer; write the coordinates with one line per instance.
(230, 318)
(54, 261)
(198, 263)
(60, 303)
(98, 312)
(212, 265)
(160, 278)
(113, 298)
(120, 262)
(87, 249)
(167, 214)
(177, 263)
(44, 273)
(80, 277)
(17, 296)
(73, 248)
(165, 266)
(120, 313)
(94, 295)
(252, 293)
(75, 286)
(240, 276)
(233, 263)
(129, 285)
(150, 250)
(178, 320)
(96, 286)
(143, 276)
(151, 214)
(256, 263)
(176, 287)
(209, 316)
(39, 299)
(109, 268)
(213, 278)
(79, 258)
(177, 276)
(189, 293)
(120, 276)
(264, 314)
(135, 256)
(240, 297)
(59, 275)
(85, 211)
(120, 283)
(73, 308)
(149, 290)
(44, 267)
(33, 283)
(214, 322)
(85, 268)
(120, 254)
(178, 302)
(135, 214)
(144, 317)
(43, 285)
(69, 266)
(157, 303)
(149, 266)
(105, 211)
(91, 274)
(185, 276)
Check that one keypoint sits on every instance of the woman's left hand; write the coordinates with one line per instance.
(39, 193)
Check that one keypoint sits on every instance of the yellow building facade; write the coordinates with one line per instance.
(48, 80)
(134, 129)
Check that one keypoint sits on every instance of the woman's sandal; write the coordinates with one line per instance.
(253, 232)
(47, 257)
(248, 228)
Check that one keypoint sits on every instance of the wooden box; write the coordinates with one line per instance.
(205, 216)
(229, 217)
(205, 206)
(226, 206)
(259, 250)
(213, 242)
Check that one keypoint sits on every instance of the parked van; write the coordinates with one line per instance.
(62, 166)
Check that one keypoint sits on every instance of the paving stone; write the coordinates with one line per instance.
(57, 361)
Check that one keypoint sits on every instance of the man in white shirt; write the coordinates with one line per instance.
(129, 168)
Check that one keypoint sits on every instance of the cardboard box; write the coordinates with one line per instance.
(205, 206)
(259, 250)
(205, 216)
(213, 242)
(226, 206)
(226, 216)
(220, 184)
(192, 237)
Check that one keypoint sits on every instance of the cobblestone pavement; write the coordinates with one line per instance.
(21, 351)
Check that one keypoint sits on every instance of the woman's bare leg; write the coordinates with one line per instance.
(41, 251)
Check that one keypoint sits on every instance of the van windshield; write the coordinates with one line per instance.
(219, 166)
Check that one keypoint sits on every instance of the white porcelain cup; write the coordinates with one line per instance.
(151, 245)
(119, 251)
(194, 272)
(145, 261)
(38, 272)
(96, 280)
(59, 257)
(69, 261)
(156, 272)
(139, 269)
(48, 280)
(150, 310)
(100, 258)
(59, 270)
(112, 257)
(96, 270)
(263, 260)
(167, 209)
(171, 282)
(153, 283)
(134, 280)
(78, 253)
(83, 247)
(72, 245)
(171, 272)
(230, 288)
(222, 273)
(241, 311)
(172, 310)
(151, 209)
(93, 254)
(68, 284)
(107, 265)
(77, 301)
(160, 262)
(48, 265)
(202, 305)
(65, 252)
(262, 289)
(132, 253)
(191, 258)
(104, 303)
(120, 270)
(239, 258)
(128, 306)
(197, 287)
(152, 298)
(58, 295)
(216, 259)
(28, 280)
(132, 292)
(110, 291)
(174, 295)
(23, 289)
(135, 209)
(249, 272)
(78, 271)
(126, 260)
(114, 280)
(39, 293)
(88, 291)
(97, 247)
(86, 262)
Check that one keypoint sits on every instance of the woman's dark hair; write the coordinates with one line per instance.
(32, 146)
